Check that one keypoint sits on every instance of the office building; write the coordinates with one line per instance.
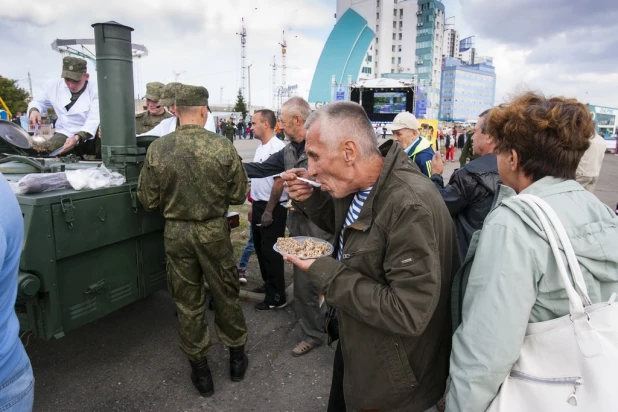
(371, 38)
(429, 43)
(467, 90)
(450, 48)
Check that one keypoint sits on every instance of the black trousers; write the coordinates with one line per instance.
(271, 262)
(336, 401)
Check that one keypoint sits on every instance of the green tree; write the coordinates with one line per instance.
(241, 106)
(13, 95)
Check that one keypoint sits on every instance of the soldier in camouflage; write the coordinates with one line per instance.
(229, 129)
(156, 113)
(192, 176)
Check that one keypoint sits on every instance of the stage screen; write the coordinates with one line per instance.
(389, 102)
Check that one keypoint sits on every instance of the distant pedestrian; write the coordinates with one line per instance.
(589, 167)
(383, 131)
(449, 145)
(461, 140)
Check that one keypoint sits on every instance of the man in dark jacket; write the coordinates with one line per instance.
(390, 276)
(471, 189)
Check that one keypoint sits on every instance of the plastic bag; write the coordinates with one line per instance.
(40, 182)
(94, 178)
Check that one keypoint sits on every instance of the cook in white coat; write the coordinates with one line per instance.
(76, 103)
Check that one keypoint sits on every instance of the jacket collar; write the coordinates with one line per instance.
(393, 155)
(546, 186)
(83, 102)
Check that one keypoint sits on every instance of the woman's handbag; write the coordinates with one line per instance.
(569, 363)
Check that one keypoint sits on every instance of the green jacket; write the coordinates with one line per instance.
(391, 289)
(510, 278)
(467, 152)
(192, 174)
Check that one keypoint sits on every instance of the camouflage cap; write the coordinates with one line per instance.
(168, 94)
(154, 91)
(192, 96)
(73, 68)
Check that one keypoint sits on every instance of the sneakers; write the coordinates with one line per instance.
(263, 306)
(242, 278)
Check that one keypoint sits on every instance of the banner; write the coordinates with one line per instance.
(339, 93)
(429, 131)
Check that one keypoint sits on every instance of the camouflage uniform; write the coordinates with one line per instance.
(229, 130)
(192, 176)
(146, 121)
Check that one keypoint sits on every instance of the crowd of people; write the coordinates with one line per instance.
(431, 287)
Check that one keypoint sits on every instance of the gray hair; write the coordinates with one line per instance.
(341, 120)
(297, 106)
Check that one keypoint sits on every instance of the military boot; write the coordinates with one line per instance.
(201, 377)
(238, 363)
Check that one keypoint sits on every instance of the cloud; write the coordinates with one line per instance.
(194, 37)
(558, 47)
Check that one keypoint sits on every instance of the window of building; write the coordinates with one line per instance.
(377, 39)
(399, 60)
(394, 25)
(401, 13)
(400, 36)
(378, 3)
(369, 58)
(366, 70)
(395, 12)
(377, 27)
(400, 25)
(392, 70)
(399, 48)
(393, 48)
(392, 60)
(394, 36)
(377, 15)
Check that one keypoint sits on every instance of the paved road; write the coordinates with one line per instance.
(130, 361)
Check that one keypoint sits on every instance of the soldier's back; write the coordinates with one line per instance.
(194, 167)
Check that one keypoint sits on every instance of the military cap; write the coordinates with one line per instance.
(192, 96)
(154, 90)
(73, 68)
(168, 94)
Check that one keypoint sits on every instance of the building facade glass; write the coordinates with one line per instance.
(467, 90)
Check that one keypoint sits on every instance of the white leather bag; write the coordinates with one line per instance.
(569, 363)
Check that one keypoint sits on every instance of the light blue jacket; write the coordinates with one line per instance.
(513, 279)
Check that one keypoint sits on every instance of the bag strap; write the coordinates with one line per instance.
(543, 211)
(576, 272)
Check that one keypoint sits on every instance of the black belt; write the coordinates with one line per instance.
(266, 201)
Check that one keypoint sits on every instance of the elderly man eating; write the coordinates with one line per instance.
(390, 275)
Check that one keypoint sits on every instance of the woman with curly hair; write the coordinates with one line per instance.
(510, 277)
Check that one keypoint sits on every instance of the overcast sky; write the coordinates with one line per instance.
(567, 47)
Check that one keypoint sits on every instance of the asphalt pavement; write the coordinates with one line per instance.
(130, 361)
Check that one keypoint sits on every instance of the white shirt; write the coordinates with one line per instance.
(83, 115)
(592, 160)
(168, 125)
(261, 188)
